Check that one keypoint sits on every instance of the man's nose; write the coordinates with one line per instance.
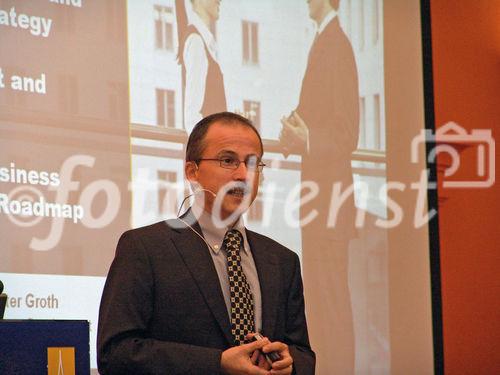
(241, 172)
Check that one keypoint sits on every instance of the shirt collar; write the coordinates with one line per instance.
(205, 33)
(213, 234)
(330, 16)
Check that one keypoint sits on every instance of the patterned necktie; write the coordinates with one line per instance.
(242, 315)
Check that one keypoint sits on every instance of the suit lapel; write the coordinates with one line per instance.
(269, 276)
(198, 260)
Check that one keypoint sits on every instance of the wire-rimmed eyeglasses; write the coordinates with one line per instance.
(252, 162)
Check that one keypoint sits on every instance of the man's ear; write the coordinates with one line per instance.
(191, 171)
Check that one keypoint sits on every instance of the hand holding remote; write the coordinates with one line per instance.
(270, 357)
(277, 355)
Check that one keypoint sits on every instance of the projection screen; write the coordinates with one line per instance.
(94, 115)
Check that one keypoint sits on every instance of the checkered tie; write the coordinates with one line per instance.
(242, 316)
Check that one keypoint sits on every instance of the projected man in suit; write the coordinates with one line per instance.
(324, 129)
(174, 290)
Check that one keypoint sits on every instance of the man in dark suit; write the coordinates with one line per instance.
(182, 295)
(324, 130)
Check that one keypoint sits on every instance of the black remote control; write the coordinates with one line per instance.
(270, 357)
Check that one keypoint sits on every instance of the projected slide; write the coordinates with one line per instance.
(97, 99)
(271, 63)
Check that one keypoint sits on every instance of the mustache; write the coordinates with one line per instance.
(237, 187)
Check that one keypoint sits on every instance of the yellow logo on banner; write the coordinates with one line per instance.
(61, 361)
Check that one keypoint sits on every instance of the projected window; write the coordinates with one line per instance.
(164, 28)
(371, 129)
(250, 35)
(252, 112)
(165, 108)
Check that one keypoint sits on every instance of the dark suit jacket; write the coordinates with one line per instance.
(329, 105)
(162, 309)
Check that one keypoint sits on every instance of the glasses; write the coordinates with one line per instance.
(252, 163)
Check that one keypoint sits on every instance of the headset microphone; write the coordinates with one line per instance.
(190, 195)
(187, 224)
